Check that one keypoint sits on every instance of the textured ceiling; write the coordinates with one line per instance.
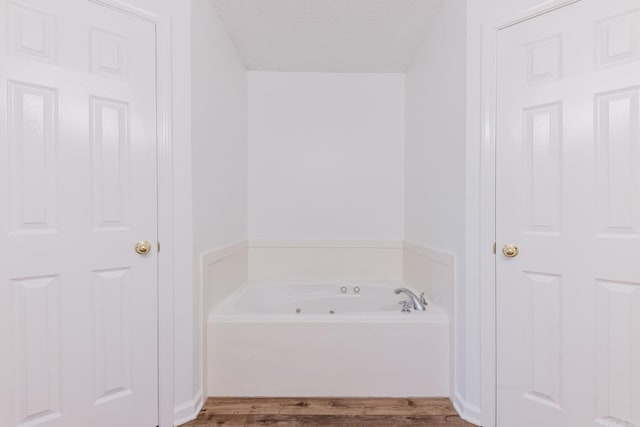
(357, 36)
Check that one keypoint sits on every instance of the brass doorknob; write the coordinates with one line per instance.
(143, 247)
(510, 250)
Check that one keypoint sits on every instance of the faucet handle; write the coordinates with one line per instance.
(406, 306)
(423, 299)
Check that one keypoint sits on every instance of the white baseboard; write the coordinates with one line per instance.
(188, 411)
(467, 412)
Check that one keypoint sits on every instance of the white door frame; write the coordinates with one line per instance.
(165, 203)
(487, 231)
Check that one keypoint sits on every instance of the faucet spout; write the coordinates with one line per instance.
(419, 302)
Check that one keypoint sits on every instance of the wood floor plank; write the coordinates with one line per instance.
(328, 420)
(331, 406)
(348, 412)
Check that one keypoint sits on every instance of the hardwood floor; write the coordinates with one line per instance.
(361, 412)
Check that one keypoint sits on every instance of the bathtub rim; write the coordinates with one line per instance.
(221, 312)
(387, 317)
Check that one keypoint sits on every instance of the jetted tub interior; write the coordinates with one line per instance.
(320, 339)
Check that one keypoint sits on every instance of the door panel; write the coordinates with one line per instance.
(78, 306)
(568, 195)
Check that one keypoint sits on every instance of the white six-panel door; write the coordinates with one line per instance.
(78, 309)
(568, 196)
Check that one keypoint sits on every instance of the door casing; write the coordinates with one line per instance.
(487, 188)
(165, 203)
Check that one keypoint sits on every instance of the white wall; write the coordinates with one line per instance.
(219, 159)
(435, 156)
(326, 156)
(219, 133)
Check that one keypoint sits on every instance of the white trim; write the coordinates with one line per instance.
(487, 230)
(487, 196)
(467, 412)
(334, 244)
(165, 204)
(216, 255)
(165, 227)
(445, 258)
(532, 12)
(123, 6)
(189, 410)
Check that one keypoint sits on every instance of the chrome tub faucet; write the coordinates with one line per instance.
(418, 303)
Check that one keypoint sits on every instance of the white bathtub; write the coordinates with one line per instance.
(311, 339)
